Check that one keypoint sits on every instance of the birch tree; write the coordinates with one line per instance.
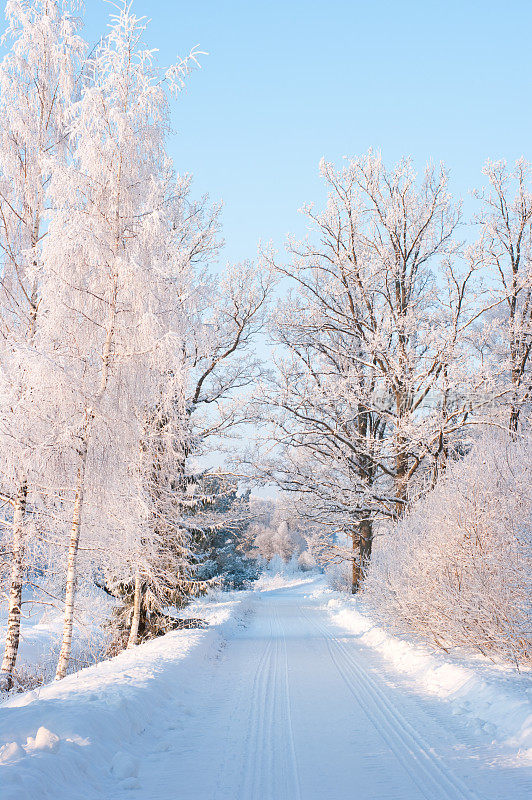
(223, 313)
(107, 317)
(37, 85)
(218, 364)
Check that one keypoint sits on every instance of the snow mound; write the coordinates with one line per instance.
(11, 751)
(44, 740)
(124, 766)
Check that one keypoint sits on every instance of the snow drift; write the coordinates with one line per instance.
(84, 724)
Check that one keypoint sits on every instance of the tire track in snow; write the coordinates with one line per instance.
(255, 740)
(266, 756)
(241, 763)
(433, 778)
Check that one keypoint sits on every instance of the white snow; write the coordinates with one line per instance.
(292, 693)
(493, 699)
(44, 740)
(124, 766)
(77, 731)
(11, 751)
(40, 635)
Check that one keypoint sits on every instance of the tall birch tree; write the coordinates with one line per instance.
(37, 85)
(106, 312)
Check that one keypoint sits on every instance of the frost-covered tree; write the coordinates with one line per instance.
(223, 520)
(112, 328)
(277, 530)
(38, 78)
(225, 317)
(222, 315)
(369, 383)
(506, 246)
(165, 571)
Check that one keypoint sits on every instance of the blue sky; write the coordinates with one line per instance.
(289, 82)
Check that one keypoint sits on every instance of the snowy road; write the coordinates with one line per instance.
(294, 708)
(290, 694)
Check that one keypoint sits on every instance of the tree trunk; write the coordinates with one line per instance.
(401, 472)
(137, 596)
(70, 595)
(363, 542)
(355, 576)
(366, 543)
(15, 590)
(514, 420)
(19, 511)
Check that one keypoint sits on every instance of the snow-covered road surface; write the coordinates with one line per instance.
(290, 706)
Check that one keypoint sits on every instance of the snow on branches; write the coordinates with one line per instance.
(458, 567)
(114, 336)
(370, 386)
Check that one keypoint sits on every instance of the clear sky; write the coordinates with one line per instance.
(289, 82)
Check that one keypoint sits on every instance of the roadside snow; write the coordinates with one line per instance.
(40, 636)
(493, 699)
(292, 692)
(45, 734)
(278, 574)
(279, 581)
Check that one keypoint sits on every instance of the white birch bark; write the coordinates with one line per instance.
(15, 591)
(19, 512)
(109, 234)
(36, 81)
(134, 630)
(70, 594)
(71, 575)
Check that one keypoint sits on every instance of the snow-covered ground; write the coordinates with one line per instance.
(290, 694)
(41, 630)
(492, 700)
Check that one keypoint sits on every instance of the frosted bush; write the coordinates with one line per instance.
(340, 576)
(459, 565)
(277, 566)
(306, 561)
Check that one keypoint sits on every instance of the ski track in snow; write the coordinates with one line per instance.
(429, 773)
(287, 705)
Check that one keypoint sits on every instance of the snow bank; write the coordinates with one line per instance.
(84, 724)
(493, 699)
